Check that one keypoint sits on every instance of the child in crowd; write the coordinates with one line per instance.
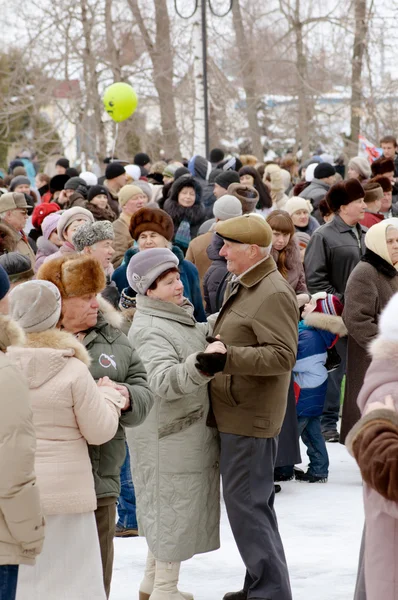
(319, 330)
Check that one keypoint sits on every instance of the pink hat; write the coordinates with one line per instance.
(49, 224)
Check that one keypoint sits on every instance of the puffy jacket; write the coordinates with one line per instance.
(21, 521)
(69, 410)
(315, 192)
(317, 333)
(215, 280)
(331, 255)
(189, 277)
(176, 455)
(45, 248)
(112, 355)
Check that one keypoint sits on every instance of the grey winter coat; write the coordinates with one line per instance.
(175, 454)
(331, 255)
(315, 192)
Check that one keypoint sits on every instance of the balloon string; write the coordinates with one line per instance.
(115, 139)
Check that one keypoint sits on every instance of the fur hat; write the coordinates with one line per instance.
(62, 162)
(246, 194)
(382, 165)
(141, 159)
(35, 306)
(50, 224)
(89, 178)
(17, 266)
(74, 276)
(373, 192)
(8, 243)
(41, 211)
(344, 192)
(146, 266)
(226, 178)
(388, 323)
(324, 170)
(361, 165)
(127, 192)
(91, 233)
(57, 183)
(248, 229)
(4, 283)
(294, 204)
(20, 180)
(113, 170)
(69, 216)
(151, 219)
(384, 181)
(74, 182)
(227, 207)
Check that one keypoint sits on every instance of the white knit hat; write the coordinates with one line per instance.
(35, 305)
(89, 177)
(227, 207)
(133, 171)
(309, 172)
(295, 203)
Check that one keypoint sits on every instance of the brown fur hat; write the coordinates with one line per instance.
(151, 219)
(7, 239)
(344, 192)
(74, 275)
(382, 165)
(383, 181)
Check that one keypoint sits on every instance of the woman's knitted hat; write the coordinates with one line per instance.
(35, 305)
(146, 266)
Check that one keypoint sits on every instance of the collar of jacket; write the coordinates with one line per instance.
(167, 310)
(379, 264)
(258, 272)
(342, 226)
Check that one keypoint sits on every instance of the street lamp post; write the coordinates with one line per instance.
(201, 117)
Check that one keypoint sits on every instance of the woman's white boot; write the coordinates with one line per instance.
(166, 580)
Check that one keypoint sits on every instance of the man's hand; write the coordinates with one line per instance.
(125, 393)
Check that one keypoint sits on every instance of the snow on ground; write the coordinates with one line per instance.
(321, 527)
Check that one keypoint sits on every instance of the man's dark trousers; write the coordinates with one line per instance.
(247, 470)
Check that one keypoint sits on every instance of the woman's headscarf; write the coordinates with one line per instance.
(375, 238)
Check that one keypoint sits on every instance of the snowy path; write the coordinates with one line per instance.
(321, 528)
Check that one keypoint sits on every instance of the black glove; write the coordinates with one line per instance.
(333, 360)
(210, 340)
(209, 364)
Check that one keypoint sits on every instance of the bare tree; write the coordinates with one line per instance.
(160, 51)
(247, 59)
(358, 53)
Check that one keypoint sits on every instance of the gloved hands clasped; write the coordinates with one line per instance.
(213, 359)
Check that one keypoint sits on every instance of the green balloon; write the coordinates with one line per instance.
(120, 101)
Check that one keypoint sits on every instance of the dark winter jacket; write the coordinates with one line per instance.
(295, 270)
(331, 255)
(189, 278)
(113, 200)
(312, 226)
(315, 192)
(370, 286)
(215, 280)
(195, 214)
(112, 356)
(317, 333)
(101, 214)
(200, 169)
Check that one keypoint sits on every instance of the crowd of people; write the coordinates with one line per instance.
(174, 321)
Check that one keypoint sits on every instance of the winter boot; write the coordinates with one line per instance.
(309, 477)
(241, 595)
(160, 581)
